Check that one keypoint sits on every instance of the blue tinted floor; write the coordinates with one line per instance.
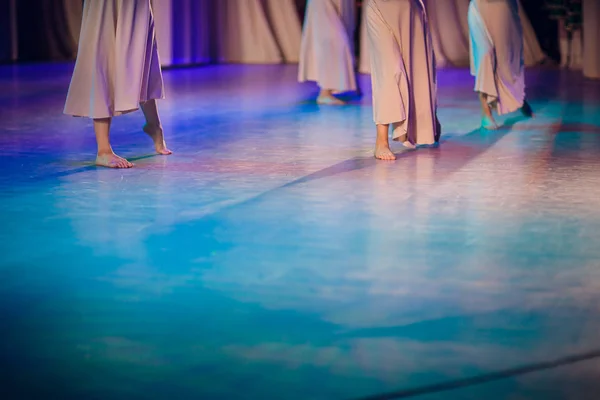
(271, 257)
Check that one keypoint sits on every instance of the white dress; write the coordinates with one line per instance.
(497, 52)
(327, 52)
(117, 63)
(286, 26)
(403, 71)
(448, 20)
(244, 34)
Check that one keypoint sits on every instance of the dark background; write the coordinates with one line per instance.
(41, 30)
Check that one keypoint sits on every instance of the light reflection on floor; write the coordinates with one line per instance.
(273, 257)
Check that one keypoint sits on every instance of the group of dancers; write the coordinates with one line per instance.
(118, 69)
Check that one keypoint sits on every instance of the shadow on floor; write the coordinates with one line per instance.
(494, 376)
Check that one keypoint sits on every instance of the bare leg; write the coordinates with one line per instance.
(575, 53)
(564, 44)
(403, 138)
(382, 143)
(487, 119)
(326, 97)
(153, 127)
(106, 157)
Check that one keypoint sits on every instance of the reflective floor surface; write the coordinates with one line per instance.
(272, 257)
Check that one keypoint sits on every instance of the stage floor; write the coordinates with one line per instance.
(271, 257)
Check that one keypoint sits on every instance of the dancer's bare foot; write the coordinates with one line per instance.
(487, 118)
(408, 145)
(111, 160)
(383, 152)
(382, 144)
(526, 110)
(488, 123)
(330, 100)
(157, 136)
(106, 156)
(326, 97)
(403, 138)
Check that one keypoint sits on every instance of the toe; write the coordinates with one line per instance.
(385, 155)
(124, 163)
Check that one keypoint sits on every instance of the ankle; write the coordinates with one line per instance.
(382, 142)
(153, 127)
(105, 151)
(325, 93)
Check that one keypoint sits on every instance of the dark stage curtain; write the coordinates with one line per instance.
(45, 29)
(244, 31)
(8, 32)
(185, 31)
(545, 28)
